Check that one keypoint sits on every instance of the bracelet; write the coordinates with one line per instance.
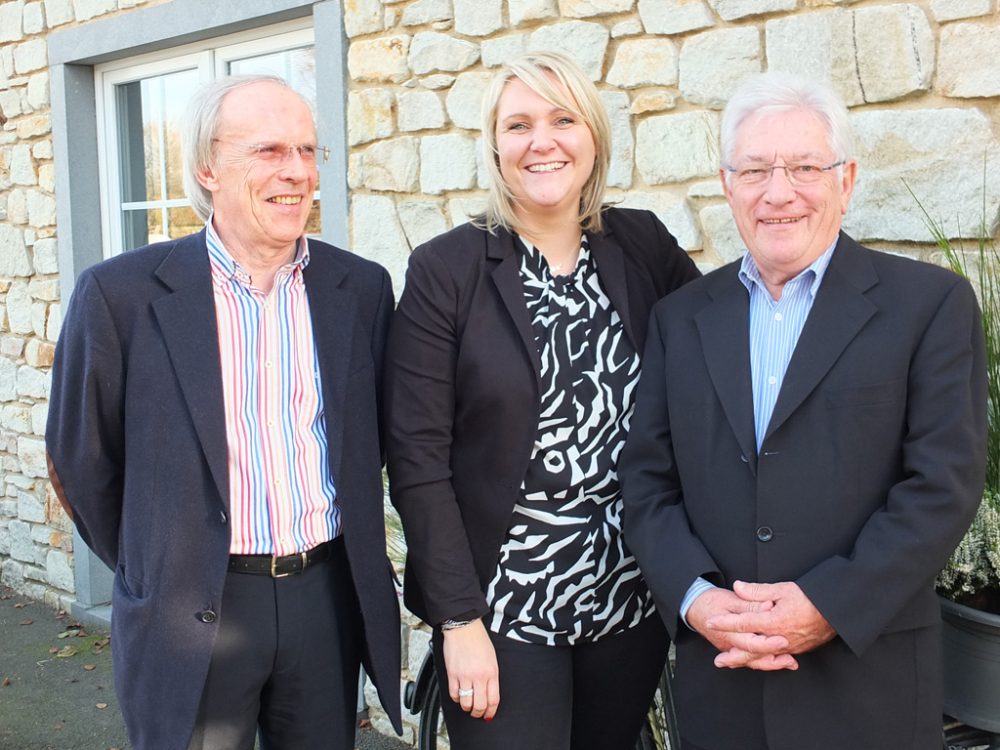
(454, 624)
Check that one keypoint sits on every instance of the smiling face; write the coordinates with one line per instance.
(786, 227)
(546, 153)
(261, 207)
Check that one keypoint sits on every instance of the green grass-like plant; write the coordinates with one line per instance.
(972, 575)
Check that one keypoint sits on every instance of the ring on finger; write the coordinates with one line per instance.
(465, 692)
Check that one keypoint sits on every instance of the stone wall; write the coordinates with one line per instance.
(922, 79)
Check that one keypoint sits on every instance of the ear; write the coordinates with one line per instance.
(207, 179)
(725, 185)
(847, 184)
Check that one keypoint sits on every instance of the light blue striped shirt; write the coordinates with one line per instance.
(775, 326)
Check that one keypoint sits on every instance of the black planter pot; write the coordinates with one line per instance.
(971, 646)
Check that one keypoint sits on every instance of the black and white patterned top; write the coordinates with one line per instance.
(564, 574)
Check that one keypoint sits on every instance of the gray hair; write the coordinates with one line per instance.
(534, 70)
(201, 124)
(783, 92)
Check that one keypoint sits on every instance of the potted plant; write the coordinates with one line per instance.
(969, 585)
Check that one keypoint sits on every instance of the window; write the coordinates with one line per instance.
(140, 105)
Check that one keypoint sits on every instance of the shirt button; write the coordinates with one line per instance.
(207, 617)
(772, 380)
(779, 316)
(765, 534)
(267, 364)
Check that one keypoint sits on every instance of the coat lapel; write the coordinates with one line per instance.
(724, 327)
(610, 260)
(839, 312)
(187, 319)
(507, 278)
(333, 312)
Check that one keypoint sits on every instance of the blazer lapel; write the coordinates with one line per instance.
(187, 319)
(610, 259)
(839, 312)
(333, 312)
(507, 278)
(724, 328)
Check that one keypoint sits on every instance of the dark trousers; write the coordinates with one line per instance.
(591, 696)
(286, 661)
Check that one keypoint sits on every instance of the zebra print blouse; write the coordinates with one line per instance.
(564, 574)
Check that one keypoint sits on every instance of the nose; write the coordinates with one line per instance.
(294, 167)
(779, 187)
(541, 139)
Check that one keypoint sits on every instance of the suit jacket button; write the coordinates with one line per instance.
(222, 516)
(207, 617)
(765, 534)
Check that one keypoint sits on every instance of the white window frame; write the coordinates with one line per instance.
(210, 58)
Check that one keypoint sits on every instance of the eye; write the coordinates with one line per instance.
(307, 152)
(753, 172)
(805, 169)
(267, 150)
(517, 126)
(565, 120)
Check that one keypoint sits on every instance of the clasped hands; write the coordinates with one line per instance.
(759, 625)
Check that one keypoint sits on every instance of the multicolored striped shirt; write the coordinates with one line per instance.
(282, 498)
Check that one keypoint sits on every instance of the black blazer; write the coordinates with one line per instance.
(136, 433)
(870, 471)
(462, 392)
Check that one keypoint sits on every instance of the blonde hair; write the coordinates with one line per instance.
(536, 70)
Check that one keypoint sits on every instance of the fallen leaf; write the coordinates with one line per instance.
(19, 605)
(53, 649)
(81, 633)
(90, 667)
(67, 633)
(364, 723)
(58, 727)
(102, 706)
(6, 682)
(66, 651)
(27, 622)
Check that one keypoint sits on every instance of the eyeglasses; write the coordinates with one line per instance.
(797, 174)
(279, 152)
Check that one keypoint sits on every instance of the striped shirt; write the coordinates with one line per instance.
(281, 491)
(775, 326)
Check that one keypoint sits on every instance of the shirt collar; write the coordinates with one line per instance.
(750, 273)
(223, 262)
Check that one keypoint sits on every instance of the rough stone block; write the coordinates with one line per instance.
(616, 103)
(421, 221)
(33, 384)
(30, 508)
(919, 146)
(628, 27)
(377, 234)
(38, 313)
(707, 189)
(584, 41)
(58, 12)
(17, 211)
(41, 209)
(952, 10)
(58, 571)
(29, 127)
(644, 62)
(392, 165)
(38, 90)
(31, 454)
(44, 289)
(21, 546)
(437, 81)
(42, 149)
(19, 308)
(369, 115)
(431, 51)
(714, 63)
(39, 413)
(54, 324)
(672, 210)
(447, 162)
(819, 46)
(14, 260)
(465, 99)
(22, 168)
(427, 11)
(503, 48)
(16, 418)
(653, 101)
(460, 210)
(591, 8)
(674, 16)
(362, 17)
(11, 347)
(29, 56)
(47, 177)
(379, 60)
(969, 60)
(34, 18)
(895, 49)
(418, 643)
(419, 110)
(478, 17)
(8, 380)
(531, 10)
(10, 103)
(730, 10)
(39, 354)
(12, 21)
(721, 232)
(86, 9)
(677, 147)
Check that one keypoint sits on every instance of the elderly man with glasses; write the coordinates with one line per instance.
(806, 450)
(214, 433)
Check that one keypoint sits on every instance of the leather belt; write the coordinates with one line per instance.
(286, 565)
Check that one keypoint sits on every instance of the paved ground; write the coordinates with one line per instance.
(56, 689)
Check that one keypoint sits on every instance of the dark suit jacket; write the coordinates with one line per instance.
(870, 471)
(462, 392)
(136, 434)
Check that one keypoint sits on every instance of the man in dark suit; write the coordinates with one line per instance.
(807, 448)
(214, 432)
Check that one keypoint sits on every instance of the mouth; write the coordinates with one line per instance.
(286, 200)
(551, 166)
(789, 220)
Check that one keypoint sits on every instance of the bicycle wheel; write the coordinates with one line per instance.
(432, 733)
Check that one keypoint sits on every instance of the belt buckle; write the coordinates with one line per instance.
(274, 563)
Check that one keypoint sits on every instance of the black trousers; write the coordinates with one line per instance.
(285, 661)
(591, 696)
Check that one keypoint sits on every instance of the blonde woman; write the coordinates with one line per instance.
(511, 370)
